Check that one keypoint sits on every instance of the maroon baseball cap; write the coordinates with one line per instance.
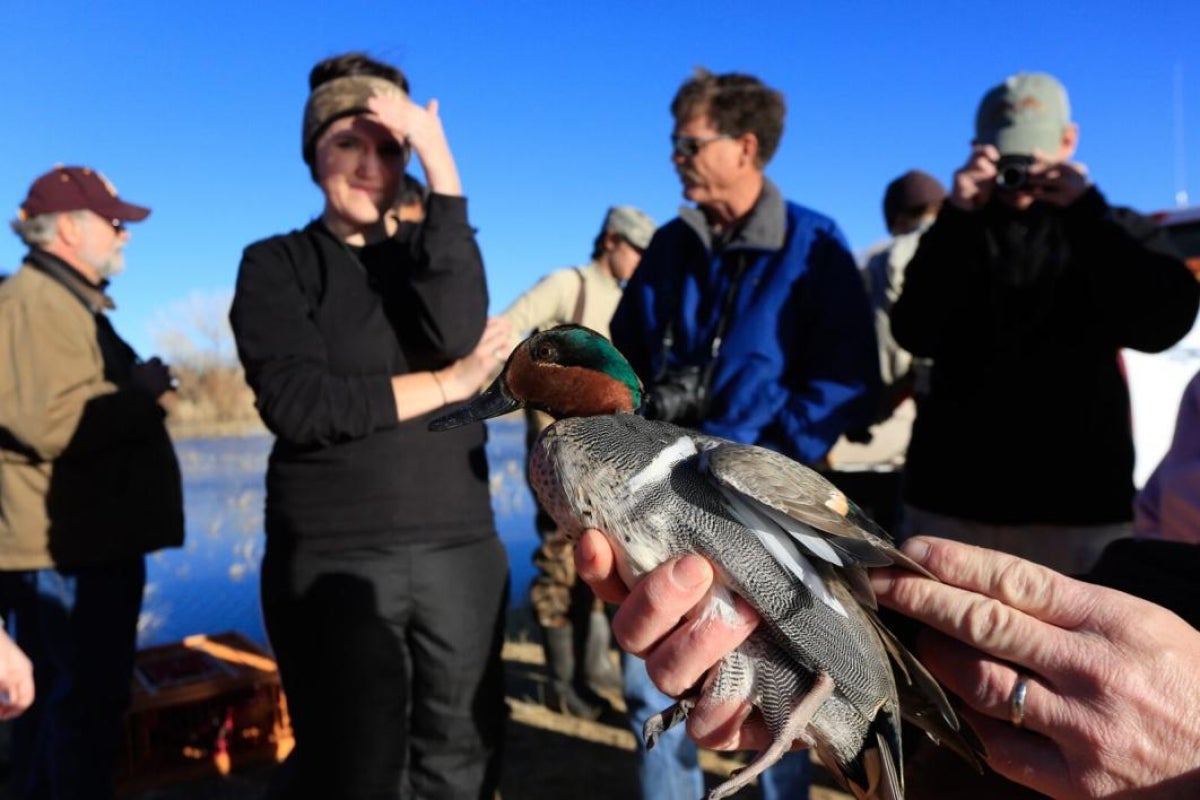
(78, 189)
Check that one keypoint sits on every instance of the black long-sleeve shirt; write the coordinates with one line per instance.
(321, 328)
(1027, 419)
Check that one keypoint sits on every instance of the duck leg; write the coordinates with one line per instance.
(666, 719)
(786, 731)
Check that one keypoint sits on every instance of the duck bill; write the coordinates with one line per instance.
(492, 403)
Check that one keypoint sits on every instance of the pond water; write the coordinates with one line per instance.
(210, 585)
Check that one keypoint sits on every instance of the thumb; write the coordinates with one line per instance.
(432, 108)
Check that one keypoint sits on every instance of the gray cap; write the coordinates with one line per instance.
(630, 223)
(1028, 111)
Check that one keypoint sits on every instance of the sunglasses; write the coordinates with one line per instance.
(118, 225)
(688, 146)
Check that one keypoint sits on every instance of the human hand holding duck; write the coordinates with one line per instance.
(1110, 681)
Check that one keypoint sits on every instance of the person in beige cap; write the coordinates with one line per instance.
(575, 633)
(384, 583)
(1023, 293)
(586, 295)
(89, 482)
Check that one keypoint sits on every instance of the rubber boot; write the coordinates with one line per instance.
(599, 671)
(563, 695)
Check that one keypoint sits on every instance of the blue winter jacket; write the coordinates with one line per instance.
(798, 364)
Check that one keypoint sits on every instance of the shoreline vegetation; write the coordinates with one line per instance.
(212, 401)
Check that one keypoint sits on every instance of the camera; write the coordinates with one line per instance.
(680, 396)
(1012, 172)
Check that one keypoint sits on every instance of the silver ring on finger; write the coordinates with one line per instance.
(1016, 701)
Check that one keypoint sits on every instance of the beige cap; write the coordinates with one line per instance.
(631, 223)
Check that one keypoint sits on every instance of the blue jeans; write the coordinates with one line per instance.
(671, 771)
(79, 628)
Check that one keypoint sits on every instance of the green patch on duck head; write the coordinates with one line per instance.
(574, 371)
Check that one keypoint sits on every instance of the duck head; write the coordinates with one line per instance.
(567, 371)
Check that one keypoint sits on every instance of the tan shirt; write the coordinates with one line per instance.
(552, 300)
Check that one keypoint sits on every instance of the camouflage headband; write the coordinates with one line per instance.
(340, 97)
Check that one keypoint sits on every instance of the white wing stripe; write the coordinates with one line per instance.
(660, 467)
(780, 545)
(814, 542)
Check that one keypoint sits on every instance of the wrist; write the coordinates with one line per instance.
(440, 171)
(444, 385)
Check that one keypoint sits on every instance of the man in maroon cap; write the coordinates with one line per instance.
(89, 482)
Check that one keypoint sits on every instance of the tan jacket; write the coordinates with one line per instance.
(87, 471)
(552, 301)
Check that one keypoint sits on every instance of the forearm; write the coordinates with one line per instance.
(306, 405)
(450, 290)
(440, 170)
(419, 393)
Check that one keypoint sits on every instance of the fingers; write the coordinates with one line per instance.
(495, 334)
(986, 685)
(727, 725)
(1061, 183)
(659, 602)
(972, 183)
(1036, 590)
(993, 602)
(1023, 756)
(983, 158)
(683, 653)
(594, 563)
(16, 689)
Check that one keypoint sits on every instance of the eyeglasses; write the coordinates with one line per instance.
(118, 225)
(688, 146)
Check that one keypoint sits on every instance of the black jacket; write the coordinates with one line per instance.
(1027, 419)
(321, 328)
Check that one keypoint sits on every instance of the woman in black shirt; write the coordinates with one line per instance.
(384, 584)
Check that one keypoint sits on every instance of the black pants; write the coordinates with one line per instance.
(390, 660)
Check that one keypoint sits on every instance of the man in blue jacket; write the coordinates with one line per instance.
(747, 319)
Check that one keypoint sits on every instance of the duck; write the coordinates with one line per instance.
(821, 668)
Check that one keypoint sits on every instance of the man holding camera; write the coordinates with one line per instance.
(1023, 293)
(747, 319)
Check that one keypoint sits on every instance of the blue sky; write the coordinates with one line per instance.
(557, 110)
